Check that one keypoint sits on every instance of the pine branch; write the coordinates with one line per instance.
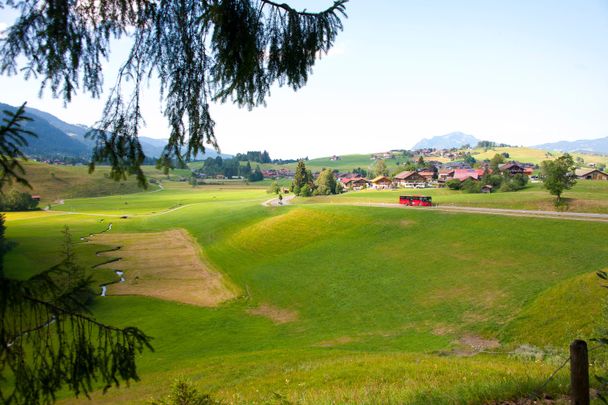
(337, 6)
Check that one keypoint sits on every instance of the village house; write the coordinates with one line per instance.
(590, 174)
(455, 165)
(511, 168)
(410, 179)
(381, 182)
(445, 175)
(427, 174)
(355, 183)
(383, 155)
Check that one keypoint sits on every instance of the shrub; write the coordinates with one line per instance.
(184, 393)
(17, 201)
(471, 186)
(305, 191)
(453, 184)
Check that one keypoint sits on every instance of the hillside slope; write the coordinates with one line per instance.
(583, 145)
(56, 182)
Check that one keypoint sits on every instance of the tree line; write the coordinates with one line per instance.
(230, 168)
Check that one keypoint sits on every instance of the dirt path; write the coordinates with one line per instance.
(275, 202)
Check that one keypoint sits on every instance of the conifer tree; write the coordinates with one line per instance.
(200, 51)
(302, 179)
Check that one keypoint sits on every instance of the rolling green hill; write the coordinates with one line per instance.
(57, 182)
(343, 304)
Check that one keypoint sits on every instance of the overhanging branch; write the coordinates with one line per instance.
(338, 5)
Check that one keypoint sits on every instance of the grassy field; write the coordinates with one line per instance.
(343, 304)
(585, 196)
(530, 155)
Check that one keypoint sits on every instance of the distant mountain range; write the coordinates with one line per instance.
(57, 138)
(585, 145)
(451, 140)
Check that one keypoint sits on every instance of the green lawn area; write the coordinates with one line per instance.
(585, 196)
(384, 300)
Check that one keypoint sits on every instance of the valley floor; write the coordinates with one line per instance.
(334, 303)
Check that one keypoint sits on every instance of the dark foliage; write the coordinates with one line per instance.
(17, 201)
(47, 339)
(200, 50)
(254, 156)
(13, 138)
(256, 175)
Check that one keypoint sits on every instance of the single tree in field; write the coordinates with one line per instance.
(380, 168)
(558, 175)
(274, 188)
(302, 179)
(200, 51)
(326, 183)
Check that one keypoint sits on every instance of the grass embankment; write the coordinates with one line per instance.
(585, 196)
(536, 156)
(382, 300)
(56, 182)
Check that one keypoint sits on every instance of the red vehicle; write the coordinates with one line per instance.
(416, 200)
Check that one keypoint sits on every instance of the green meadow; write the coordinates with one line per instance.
(385, 305)
(585, 196)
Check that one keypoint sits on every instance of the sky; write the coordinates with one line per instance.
(520, 72)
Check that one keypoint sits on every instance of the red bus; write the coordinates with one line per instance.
(416, 200)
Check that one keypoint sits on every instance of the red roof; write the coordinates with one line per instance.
(463, 174)
(353, 180)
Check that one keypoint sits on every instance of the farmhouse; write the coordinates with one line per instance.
(409, 179)
(427, 174)
(445, 175)
(511, 168)
(356, 183)
(591, 174)
(381, 182)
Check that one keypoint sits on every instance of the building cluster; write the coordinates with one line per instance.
(439, 177)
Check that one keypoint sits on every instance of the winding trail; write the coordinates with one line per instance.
(275, 202)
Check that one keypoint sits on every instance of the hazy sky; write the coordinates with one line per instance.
(520, 71)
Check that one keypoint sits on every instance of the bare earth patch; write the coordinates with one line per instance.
(166, 265)
(471, 344)
(275, 314)
(343, 340)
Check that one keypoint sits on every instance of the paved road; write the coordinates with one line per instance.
(274, 202)
(576, 216)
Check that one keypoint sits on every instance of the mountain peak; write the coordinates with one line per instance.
(452, 140)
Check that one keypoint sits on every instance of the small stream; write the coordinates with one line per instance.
(119, 273)
(104, 287)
